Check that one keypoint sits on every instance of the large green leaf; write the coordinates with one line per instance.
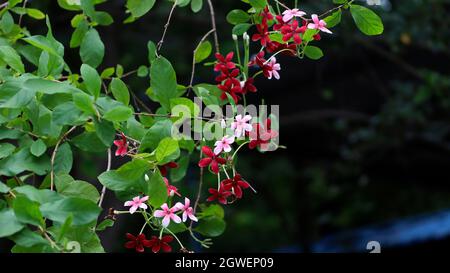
(121, 113)
(139, 8)
(10, 56)
(157, 190)
(92, 49)
(167, 150)
(82, 210)
(163, 81)
(67, 186)
(10, 224)
(27, 211)
(120, 91)
(155, 134)
(366, 20)
(24, 161)
(92, 80)
(63, 159)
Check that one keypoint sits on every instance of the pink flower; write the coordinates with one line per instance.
(318, 24)
(171, 190)
(223, 145)
(272, 69)
(188, 211)
(291, 13)
(241, 125)
(168, 214)
(122, 146)
(136, 203)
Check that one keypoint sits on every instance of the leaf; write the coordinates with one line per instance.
(92, 49)
(89, 142)
(104, 224)
(157, 190)
(79, 33)
(334, 19)
(155, 134)
(84, 102)
(38, 148)
(63, 159)
(7, 23)
(313, 52)
(28, 238)
(6, 149)
(105, 131)
(114, 181)
(203, 51)
(4, 188)
(24, 161)
(139, 8)
(66, 114)
(240, 29)
(135, 169)
(121, 113)
(35, 13)
(179, 173)
(91, 79)
(142, 71)
(196, 5)
(50, 87)
(120, 91)
(82, 210)
(151, 51)
(10, 56)
(237, 16)
(167, 150)
(163, 81)
(367, 21)
(212, 210)
(69, 187)
(10, 224)
(211, 226)
(41, 196)
(258, 4)
(27, 211)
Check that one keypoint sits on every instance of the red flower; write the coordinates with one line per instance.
(317, 37)
(261, 135)
(266, 15)
(237, 184)
(248, 86)
(137, 242)
(171, 190)
(280, 24)
(224, 62)
(211, 160)
(163, 168)
(122, 146)
(263, 34)
(230, 88)
(228, 76)
(292, 31)
(221, 195)
(157, 244)
(276, 46)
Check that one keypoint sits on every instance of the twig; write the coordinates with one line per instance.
(336, 8)
(21, 15)
(199, 192)
(4, 5)
(213, 24)
(108, 167)
(52, 174)
(195, 52)
(166, 26)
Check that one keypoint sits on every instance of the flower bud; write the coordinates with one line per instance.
(235, 37)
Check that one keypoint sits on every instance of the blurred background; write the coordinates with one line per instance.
(366, 128)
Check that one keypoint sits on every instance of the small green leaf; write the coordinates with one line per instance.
(84, 102)
(240, 29)
(82, 210)
(10, 224)
(366, 20)
(203, 51)
(258, 4)
(27, 211)
(334, 19)
(38, 148)
(6, 149)
(313, 52)
(139, 8)
(120, 91)
(105, 131)
(212, 226)
(10, 56)
(7, 23)
(63, 159)
(237, 16)
(91, 79)
(35, 13)
(167, 150)
(142, 71)
(157, 190)
(104, 224)
(120, 113)
(163, 81)
(92, 49)
(196, 5)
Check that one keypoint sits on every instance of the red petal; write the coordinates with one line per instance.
(204, 162)
(130, 236)
(166, 248)
(156, 248)
(215, 166)
(130, 244)
(207, 151)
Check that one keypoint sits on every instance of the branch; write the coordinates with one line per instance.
(199, 192)
(166, 26)
(213, 24)
(52, 172)
(195, 51)
(108, 167)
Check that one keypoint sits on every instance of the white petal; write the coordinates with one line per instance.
(133, 209)
(166, 221)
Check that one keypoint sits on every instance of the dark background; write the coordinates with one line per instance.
(366, 129)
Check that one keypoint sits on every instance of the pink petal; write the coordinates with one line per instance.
(144, 199)
(159, 213)
(312, 26)
(315, 19)
(164, 206)
(143, 206)
(128, 204)
(175, 218)
(185, 214)
(133, 209)
(192, 217)
(179, 205)
(218, 149)
(187, 202)
(166, 221)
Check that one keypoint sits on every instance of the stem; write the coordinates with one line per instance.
(240, 146)
(52, 162)
(173, 234)
(218, 181)
(193, 56)
(166, 26)
(23, 6)
(4, 5)
(199, 191)
(213, 24)
(238, 53)
(142, 229)
(225, 170)
(108, 167)
(274, 55)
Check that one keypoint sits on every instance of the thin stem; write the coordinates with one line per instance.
(225, 171)
(213, 24)
(52, 172)
(195, 52)
(199, 191)
(23, 6)
(173, 234)
(166, 26)
(218, 181)
(274, 55)
(240, 146)
(336, 8)
(108, 167)
(238, 53)
(4, 5)
(142, 229)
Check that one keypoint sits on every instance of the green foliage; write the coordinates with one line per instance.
(366, 20)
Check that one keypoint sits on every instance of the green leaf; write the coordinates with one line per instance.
(179, 173)
(135, 169)
(38, 148)
(142, 71)
(6, 149)
(4, 188)
(163, 81)
(105, 131)
(69, 187)
(196, 5)
(120, 91)
(84, 102)
(91, 79)
(211, 210)
(157, 190)
(89, 142)
(79, 33)
(10, 56)
(63, 159)
(24, 161)
(120, 113)
(27, 211)
(237, 16)
(334, 19)
(211, 226)
(50, 87)
(35, 13)
(155, 134)
(367, 21)
(240, 29)
(104, 224)
(82, 210)
(66, 114)
(7, 23)
(167, 150)
(203, 51)
(115, 181)
(151, 51)
(92, 49)
(28, 238)
(139, 8)
(258, 4)
(313, 52)
(10, 224)
(41, 196)
(108, 72)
